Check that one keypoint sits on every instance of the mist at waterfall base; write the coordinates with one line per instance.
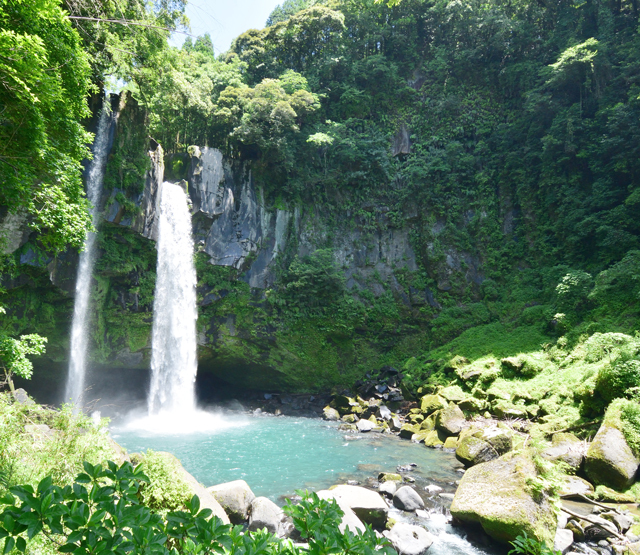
(278, 455)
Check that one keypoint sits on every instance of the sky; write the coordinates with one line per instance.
(224, 20)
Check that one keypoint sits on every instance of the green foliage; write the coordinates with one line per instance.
(14, 352)
(530, 546)
(288, 8)
(625, 415)
(167, 489)
(102, 512)
(317, 520)
(28, 454)
(45, 76)
(314, 281)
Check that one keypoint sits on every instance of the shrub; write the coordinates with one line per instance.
(102, 513)
(617, 379)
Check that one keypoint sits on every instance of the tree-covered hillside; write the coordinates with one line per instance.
(500, 138)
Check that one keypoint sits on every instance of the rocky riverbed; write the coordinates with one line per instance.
(569, 492)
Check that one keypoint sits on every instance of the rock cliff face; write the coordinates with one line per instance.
(242, 242)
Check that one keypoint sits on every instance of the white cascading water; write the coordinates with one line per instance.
(173, 341)
(79, 330)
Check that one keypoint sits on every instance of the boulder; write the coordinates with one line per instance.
(22, 397)
(566, 448)
(429, 423)
(389, 477)
(609, 460)
(496, 495)
(395, 424)
(451, 443)
(388, 488)
(408, 539)
(434, 438)
(365, 425)
(349, 418)
(622, 521)
(512, 363)
(471, 404)
(472, 450)
(384, 412)
(235, 497)
(432, 403)
(451, 420)
(407, 499)
(452, 393)
(432, 489)
(608, 495)
(207, 500)
(563, 541)
(264, 513)
(499, 437)
(368, 505)
(331, 414)
(575, 486)
(504, 410)
(407, 430)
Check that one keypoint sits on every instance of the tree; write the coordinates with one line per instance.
(14, 352)
(44, 82)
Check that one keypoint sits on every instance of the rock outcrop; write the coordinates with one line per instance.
(235, 497)
(368, 505)
(496, 495)
(609, 460)
(408, 539)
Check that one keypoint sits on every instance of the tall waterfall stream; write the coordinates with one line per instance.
(79, 329)
(173, 342)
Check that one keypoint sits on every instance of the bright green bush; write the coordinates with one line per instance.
(102, 513)
(615, 380)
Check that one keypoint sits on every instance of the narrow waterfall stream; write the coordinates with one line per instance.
(173, 341)
(79, 330)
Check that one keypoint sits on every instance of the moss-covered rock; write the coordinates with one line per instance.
(432, 403)
(452, 393)
(450, 420)
(609, 460)
(435, 438)
(495, 495)
(566, 448)
(473, 450)
(473, 405)
(408, 430)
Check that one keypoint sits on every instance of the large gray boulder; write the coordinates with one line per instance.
(407, 499)
(365, 425)
(368, 505)
(408, 539)
(566, 448)
(235, 497)
(609, 460)
(563, 541)
(451, 420)
(264, 513)
(496, 494)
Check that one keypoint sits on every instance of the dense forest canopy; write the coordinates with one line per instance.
(505, 131)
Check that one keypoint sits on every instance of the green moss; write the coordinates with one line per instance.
(167, 489)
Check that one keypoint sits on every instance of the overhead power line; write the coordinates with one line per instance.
(130, 22)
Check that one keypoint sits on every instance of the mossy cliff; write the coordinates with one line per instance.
(294, 297)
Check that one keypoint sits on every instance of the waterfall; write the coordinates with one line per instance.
(79, 332)
(173, 340)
